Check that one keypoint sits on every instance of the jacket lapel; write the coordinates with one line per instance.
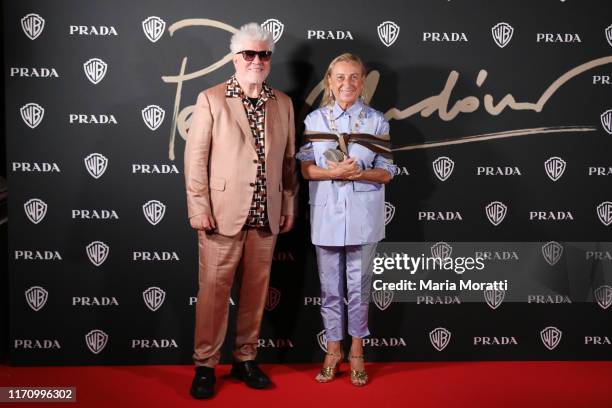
(272, 121)
(239, 114)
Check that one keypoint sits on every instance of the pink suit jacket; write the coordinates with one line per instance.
(221, 162)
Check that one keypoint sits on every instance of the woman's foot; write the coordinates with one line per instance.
(331, 365)
(359, 377)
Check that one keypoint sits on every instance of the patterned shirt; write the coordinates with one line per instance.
(258, 216)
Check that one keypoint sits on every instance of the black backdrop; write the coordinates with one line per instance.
(66, 310)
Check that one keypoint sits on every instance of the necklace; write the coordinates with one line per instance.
(356, 126)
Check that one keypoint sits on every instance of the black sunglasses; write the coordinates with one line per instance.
(249, 55)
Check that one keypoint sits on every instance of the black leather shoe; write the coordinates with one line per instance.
(203, 385)
(248, 372)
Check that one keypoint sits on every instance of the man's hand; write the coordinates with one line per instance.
(286, 223)
(348, 169)
(203, 222)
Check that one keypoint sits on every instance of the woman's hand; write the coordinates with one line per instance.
(348, 169)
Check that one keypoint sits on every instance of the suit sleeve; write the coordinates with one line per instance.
(290, 181)
(197, 149)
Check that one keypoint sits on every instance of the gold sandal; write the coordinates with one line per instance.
(358, 377)
(328, 373)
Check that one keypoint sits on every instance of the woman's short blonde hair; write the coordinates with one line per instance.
(328, 96)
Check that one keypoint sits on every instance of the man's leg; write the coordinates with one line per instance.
(252, 291)
(219, 256)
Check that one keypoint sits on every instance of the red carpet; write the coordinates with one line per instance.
(469, 384)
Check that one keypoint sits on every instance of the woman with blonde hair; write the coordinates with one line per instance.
(347, 160)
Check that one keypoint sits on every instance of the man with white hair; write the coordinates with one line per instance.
(241, 193)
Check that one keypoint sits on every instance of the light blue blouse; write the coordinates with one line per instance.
(346, 212)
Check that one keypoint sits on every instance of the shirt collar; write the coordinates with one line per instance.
(234, 90)
(353, 110)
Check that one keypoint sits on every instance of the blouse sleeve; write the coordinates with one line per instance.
(306, 153)
(381, 162)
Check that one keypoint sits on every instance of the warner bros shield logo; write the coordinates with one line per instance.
(97, 252)
(443, 167)
(496, 212)
(96, 165)
(439, 337)
(551, 337)
(273, 299)
(32, 25)
(153, 116)
(502, 34)
(154, 297)
(35, 209)
(389, 212)
(96, 341)
(555, 166)
(36, 297)
(154, 211)
(552, 252)
(606, 121)
(275, 28)
(32, 114)
(382, 298)
(609, 34)
(153, 28)
(494, 297)
(322, 340)
(603, 296)
(604, 212)
(441, 250)
(95, 70)
(388, 32)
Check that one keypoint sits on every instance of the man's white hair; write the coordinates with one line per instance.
(250, 32)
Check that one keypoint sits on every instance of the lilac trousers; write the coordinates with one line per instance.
(335, 262)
